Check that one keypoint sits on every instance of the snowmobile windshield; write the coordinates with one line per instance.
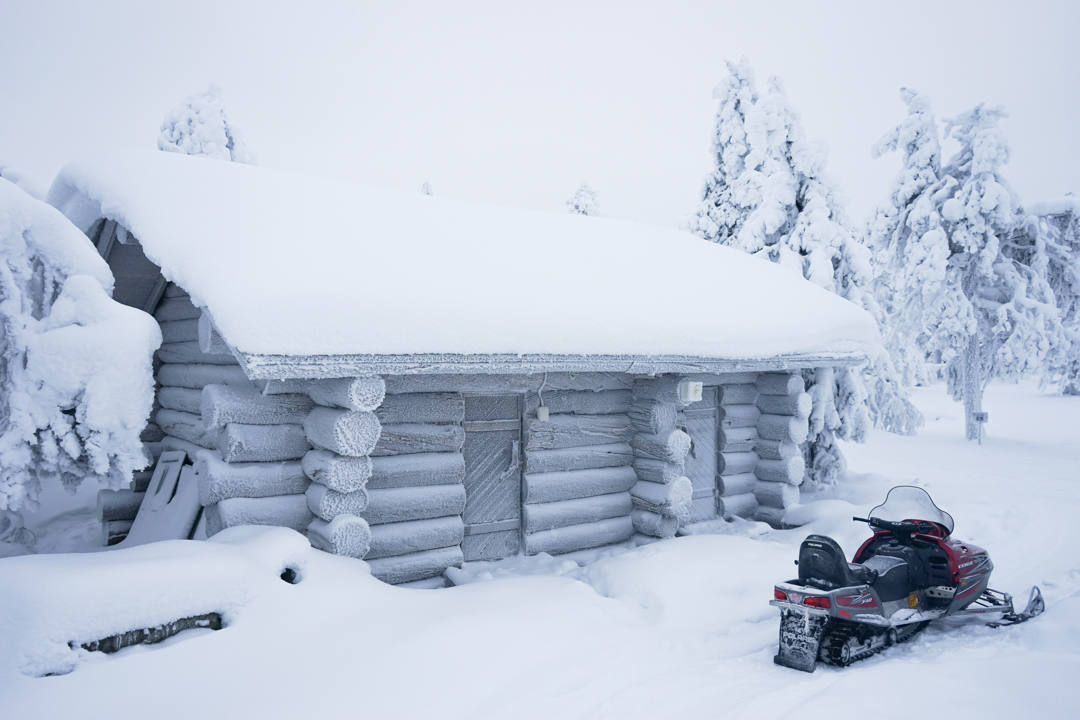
(906, 502)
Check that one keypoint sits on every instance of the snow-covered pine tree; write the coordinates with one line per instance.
(1059, 225)
(908, 242)
(1007, 324)
(732, 190)
(425, 188)
(583, 201)
(199, 126)
(768, 196)
(76, 382)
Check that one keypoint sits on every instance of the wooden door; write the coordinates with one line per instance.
(701, 422)
(492, 476)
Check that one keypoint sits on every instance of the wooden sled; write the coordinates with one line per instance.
(170, 510)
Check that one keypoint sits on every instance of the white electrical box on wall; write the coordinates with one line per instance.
(690, 391)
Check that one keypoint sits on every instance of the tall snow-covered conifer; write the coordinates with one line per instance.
(768, 196)
(1059, 225)
(1007, 322)
(199, 126)
(583, 201)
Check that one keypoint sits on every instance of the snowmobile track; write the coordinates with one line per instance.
(847, 643)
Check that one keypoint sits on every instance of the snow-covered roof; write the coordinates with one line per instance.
(327, 278)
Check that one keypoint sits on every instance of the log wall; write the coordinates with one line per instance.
(578, 466)
(782, 429)
(738, 433)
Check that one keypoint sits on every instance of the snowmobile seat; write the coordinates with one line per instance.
(822, 563)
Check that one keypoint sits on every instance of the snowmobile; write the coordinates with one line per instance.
(909, 573)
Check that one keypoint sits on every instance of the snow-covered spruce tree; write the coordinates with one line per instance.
(583, 201)
(1007, 324)
(425, 188)
(768, 196)
(199, 126)
(1058, 225)
(907, 238)
(76, 385)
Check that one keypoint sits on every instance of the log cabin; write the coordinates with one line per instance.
(419, 382)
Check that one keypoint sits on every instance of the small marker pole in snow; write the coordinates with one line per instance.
(981, 418)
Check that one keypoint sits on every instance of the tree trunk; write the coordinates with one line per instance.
(972, 387)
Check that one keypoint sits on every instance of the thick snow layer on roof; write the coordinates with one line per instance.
(294, 265)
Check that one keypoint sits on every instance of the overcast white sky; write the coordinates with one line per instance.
(516, 103)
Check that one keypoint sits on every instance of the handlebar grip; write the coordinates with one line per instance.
(859, 519)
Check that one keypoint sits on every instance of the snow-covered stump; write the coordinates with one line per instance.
(577, 466)
(736, 458)
(782, 428)
(663, 495)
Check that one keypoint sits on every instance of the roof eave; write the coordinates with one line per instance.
(277, 367)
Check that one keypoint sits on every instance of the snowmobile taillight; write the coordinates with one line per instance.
(818, 601)
(779, 594)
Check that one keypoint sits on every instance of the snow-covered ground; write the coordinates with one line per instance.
(676, 629)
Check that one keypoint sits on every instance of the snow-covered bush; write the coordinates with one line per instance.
(199, 126)
(583, 201)
(768, 196)
(75, 367)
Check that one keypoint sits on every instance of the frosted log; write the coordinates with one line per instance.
(744, 505)
(289, 511)
(113, 531)
(420, 470)
(219, 480)
(180, 398)
(402, 538)
(776, 449)
(346, 535)
(563, 431)
(175, 331)
(547, 516)
(798, 405)
(409, 438)
(780, 384)
(239, 442)
(669, 447)
(199, 375)
(771, 515)
(416, 566)
(414, 503)
(210, 341)
(572, 484)
(118, 504)
(360, 393)
(189, 352)
(672, 500)
(176, 308)
(735, 463)
(660, 389)
(737, 439)
(337, 472)
(658, 471)
(185, 426)
(587, 402)
(580, 537)
(776, 494)
(653, 418)
(743, 394)
(328, 504)
(738, 416)
(789, 470)
(346, 432)
(224, 404)
(421, 408)
(783, 427)
(508, 383)
(649, 523)
(174, 443)
(581, 458)
(738, 484)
